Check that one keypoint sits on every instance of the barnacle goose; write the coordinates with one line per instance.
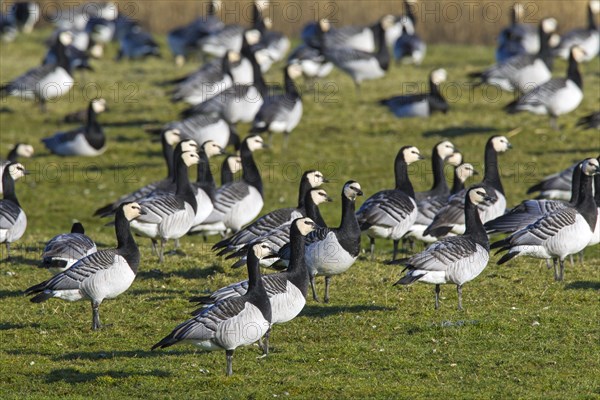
(205, 186)
(13, 220)
(81, 115)
(18, 150)
(556, 186)
(231, 166)
(276, 44)
(104, 274)
(286, 290)
(313, 63)
(555, 235)
(332, 251)
(64, 250)
(137, 44)
(517, 38)
(409, 48)
(238, 203)
(281, 112)
(590, 121)
(8, 30)
(586, 38)
(390, 213)
(455, 259)
(265, 224)
(170, 216)
(451, 217)
(440, 153)
(203, 127)
(88, 140)
(25, 14)
(169, 138)
(524, 72)
(232, 322)
(420, 105)
(555, 97)
(360, 65)
(46, 82)
(78, 58)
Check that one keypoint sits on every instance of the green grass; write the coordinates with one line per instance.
(373, 339)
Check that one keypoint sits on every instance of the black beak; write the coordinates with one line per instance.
(510, 146)
(359, 193)
(26, 172)
(270, 257)
(143, 212)
(475, 172)
(329, 199)
(488, 198)
(421, 157)
(325, 180)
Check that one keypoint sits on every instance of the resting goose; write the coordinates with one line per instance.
(104, 274)
(88, 140)
(276, 44)
(47, 82)
(81, 115)
(313, 63)
(137, 44)
(238, 203)
(389, 214)
(286, 290)
(560, 233)
(590, 121)
(409, 48)
(232, 322)
(517, 38)
(456, 259)
(588, 39)
(64, 250)
(265, 224)
(524, 72)
(18, 150)
(13, 220)
(169, 138)
(420, 105)
(170, 216)
(281, 112)
(25, 15)
(557, 96)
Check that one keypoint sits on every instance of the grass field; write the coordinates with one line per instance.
(522, 335)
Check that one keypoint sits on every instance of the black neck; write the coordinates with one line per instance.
(167, 151)
(473, 225)
(591, 19)
(126, 245)
(226, 173)
(182, 183)
(250, 173)
(8, 186)
(434, 90)
(597, 189)
(457, 184)
(492, 175)
(61, 56)
(226, 66)
(586, 204)
(211, 10)
(383, 54)
(513, 17)
(409, 13)
(259, 82)
(439, 180)
(402, 181)
(297, 272)
(573, 71)
(545, 53)
(290, 86)
(254, 279)
(312, 211)
(257, 20)
(304, 190)
(348, 234)
(576, 184)
(13, 154)
(77, 228)
(205, 178)
(91, 115)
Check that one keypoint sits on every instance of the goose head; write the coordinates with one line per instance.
(501, 144)
(255, 142)
(211, 148)
(387, 21)
(190, 158)
(578, 53)
(455, 159)
(590, 166)
(234, 163)
(352, 189)
(465, 171)
(252, 36)
(411, 154)
(268, 23)
(305, 225)
(438, 76)
(478, 195)
(16, 171)
(294, 70)
(262, 4)
(172, 136)
(24, 150)
(518, 11)
(65, 38)
(549, 25)
(594, 6)
(324, 25)
(315, 178)
(262, 250)
(319, 196)
(132, 210)
(233, 57)
(188, 145)
(445, 149)
(99, 105)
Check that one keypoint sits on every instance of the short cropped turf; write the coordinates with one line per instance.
(522, 335)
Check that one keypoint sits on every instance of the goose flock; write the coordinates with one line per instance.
(460, 223)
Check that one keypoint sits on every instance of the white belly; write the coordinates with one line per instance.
(54, 85)
(327, 257)
(365, 69)
(77, 147)
(219, 132)
(532, 76)
(205, 207)
(286, 306)
(16, 231)
(109, 283)
(177, 224)
(245, 328)
(244, 211)
(565, 100)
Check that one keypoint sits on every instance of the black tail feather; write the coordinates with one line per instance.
(104, 211)
(437, 231)
(239, 263)
(49, 262)
(167, 341)
(507, 257)
(408, 279)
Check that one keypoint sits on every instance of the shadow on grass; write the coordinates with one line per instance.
(134, 123)
(8, 326)
(456, 131)
(71, 375)
(580, 150)
(20, 260)
(189, 273)
(583, 285)
(96, 355)
(322, 311)
(5, 294)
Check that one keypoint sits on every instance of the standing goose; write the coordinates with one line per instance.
(281, 112)
(170, 216)
(265, 224)
(556, 186)
(517, 38)
(13, 220)
(286, 290)
(558, 234)
(238, 203)
(47, 82)
(555, 97)
(332, 251)
(586, 38)
(88, 140)
(205, 186)
(169, 138)
(441, 152)
(420, 105)
(18, 150)
(456, 259)
(524, 72)
(389, 214)
(232, 322)
(360, 65)
(137, 44)
(64, 250)
(451, 218)
(25, 14)
(101, 275)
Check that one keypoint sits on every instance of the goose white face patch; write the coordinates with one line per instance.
(190, 158)
(477, 195)
(465, 171)
(172, 136)
(315, 179)
(99, 105)
(305, 226)
(25, 150)
(501, 144)
(549, 25)
(590, 167)
(445, 149)
(319, 196)
(16, 171)
(262, 250)
(351, 190)
(439, 76)
(211, 148)
(189, 145)
(255, 143)
(411, 155)
(252, 36)
(455, 159)
(235, 164)
(132, 211)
